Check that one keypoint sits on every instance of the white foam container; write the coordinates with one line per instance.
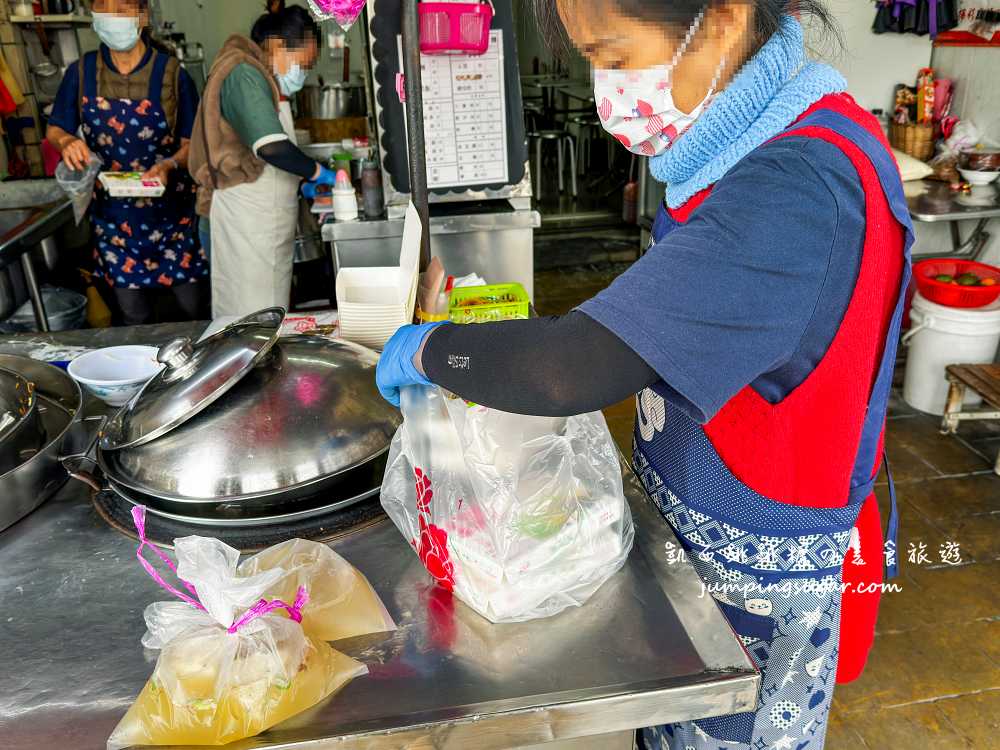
(942, 336)
(374, 302)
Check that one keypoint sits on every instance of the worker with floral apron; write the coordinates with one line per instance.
(759, 331)
(135, 121)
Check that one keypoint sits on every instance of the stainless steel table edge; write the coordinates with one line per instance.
(694, 608)
(531, 725)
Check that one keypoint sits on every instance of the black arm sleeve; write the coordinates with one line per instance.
(287, 157)
(554, 367)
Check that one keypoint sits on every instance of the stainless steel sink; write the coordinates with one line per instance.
(31, 211)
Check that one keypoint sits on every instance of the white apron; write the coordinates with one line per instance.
(253, 239)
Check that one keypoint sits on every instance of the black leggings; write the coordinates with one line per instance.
(137, 304)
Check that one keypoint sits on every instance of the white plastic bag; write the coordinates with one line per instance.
(230, 665)
(520, 516)
(78, 184)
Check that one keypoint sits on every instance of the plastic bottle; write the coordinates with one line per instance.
(345, 200)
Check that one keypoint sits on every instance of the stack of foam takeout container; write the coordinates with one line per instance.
(375, 302)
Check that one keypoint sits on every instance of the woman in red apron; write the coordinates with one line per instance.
(759, 332)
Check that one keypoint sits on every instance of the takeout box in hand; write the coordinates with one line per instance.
(375, 302)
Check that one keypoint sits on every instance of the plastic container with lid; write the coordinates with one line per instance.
(345, 200)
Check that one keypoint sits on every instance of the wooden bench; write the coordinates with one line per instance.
(984, 380)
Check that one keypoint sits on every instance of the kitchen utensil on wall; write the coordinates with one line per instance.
(48, 76)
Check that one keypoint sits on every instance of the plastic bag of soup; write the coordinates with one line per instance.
(232, 663)
(520, 516)
(342, 603)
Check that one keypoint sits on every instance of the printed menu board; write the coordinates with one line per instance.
(465, 117)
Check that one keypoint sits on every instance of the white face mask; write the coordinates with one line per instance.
(292, 81)
(637, 106)
(120, 33)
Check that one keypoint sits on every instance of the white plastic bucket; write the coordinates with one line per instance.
(942, 336)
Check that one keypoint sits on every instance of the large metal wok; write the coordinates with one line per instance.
(59, 432)
(298, 428)
(20, 431)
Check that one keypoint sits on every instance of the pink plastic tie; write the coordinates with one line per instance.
(260, 609)
(401, 87)
(139, 518)
(264, 606)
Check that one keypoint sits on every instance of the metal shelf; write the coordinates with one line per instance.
(67, 19)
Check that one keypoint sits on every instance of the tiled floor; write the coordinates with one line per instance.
(933, 677)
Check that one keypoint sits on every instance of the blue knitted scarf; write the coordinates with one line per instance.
(774, 87)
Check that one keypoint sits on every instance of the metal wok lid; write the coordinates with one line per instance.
(195, 376)
(309, 411)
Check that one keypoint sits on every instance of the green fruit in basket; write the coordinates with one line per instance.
(967, 279)
(944, 278)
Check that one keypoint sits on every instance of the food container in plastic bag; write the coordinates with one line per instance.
(520, 516)
(233, 662)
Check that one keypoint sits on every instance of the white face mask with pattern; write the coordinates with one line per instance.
(637, 106)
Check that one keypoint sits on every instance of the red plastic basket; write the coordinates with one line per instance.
(955, 295)
(455, 28)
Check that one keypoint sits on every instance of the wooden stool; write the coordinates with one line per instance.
(984, 380)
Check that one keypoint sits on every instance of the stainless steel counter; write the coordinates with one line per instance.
(646, 649)
(932, 201)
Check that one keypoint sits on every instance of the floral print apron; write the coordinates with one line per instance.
(140, 243)
(773, 568)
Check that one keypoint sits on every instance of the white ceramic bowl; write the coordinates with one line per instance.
(974, 177)
(117, 373)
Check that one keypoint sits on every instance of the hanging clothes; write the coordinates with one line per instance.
(921, 17)
(10, 82)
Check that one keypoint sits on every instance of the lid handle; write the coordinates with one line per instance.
(176, 354)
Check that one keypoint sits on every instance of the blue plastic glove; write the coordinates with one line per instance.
(395, 366)
(326, 177)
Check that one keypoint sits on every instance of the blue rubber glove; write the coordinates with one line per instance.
(395, 366)
(326, 177)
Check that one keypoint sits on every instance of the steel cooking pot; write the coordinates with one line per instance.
(331, 100)
(21, 432)
(298, 417)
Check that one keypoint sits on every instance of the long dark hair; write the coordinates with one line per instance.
(289, 24)
(767, 17)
